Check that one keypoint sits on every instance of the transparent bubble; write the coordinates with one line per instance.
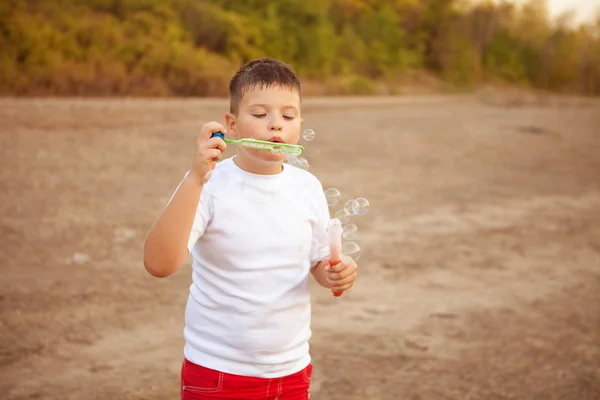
(343, 216)
(350, 231)
(308, 135)
(351, 205)
(333, 196)
(301, 162)
(361, 207)
(351, 249)
(290, 158)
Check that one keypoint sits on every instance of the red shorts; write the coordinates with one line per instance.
(200, 383)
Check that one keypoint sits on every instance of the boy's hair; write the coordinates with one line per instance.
(262, 73)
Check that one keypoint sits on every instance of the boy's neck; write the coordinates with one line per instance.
(253, 167)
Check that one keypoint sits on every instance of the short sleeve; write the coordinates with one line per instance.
(320, 241)
(200, 223)
(200, 219)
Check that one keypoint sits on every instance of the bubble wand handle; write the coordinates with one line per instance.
(334, 230)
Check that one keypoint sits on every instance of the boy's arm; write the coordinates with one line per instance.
(318, 272)
(167, 245)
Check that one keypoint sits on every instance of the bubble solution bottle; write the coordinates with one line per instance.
(334, 230)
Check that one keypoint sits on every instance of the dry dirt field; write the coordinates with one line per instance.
(480, 256)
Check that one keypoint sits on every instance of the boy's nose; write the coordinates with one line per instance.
(275, 126)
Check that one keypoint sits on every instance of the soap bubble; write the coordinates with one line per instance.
(333, 196)
(350, 231)
(361, 206)
(343, 216)
(351, 249)
(301, 162)
(308, 135)
(351, 205)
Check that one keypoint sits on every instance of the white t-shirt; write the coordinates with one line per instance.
(253, 242)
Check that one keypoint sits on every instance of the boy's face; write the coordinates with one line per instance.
(271, 114)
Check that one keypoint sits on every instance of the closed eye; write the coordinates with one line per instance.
(287, 117)
(259, 115)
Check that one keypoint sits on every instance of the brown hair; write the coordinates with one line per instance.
(262, 73)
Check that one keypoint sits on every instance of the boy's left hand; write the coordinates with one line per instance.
(341, 277)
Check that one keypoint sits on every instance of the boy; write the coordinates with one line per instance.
(255, 228)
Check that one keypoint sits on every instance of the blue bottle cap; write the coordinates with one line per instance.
(219, 134)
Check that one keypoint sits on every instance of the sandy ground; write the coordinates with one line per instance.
(480, 256)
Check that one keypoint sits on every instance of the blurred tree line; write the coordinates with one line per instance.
(191, 47)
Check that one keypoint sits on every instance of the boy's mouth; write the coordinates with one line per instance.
(276, 139)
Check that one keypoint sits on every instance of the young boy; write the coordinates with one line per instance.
(255, 228)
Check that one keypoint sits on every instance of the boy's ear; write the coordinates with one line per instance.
(230, 123)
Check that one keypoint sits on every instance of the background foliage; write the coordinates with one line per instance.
(191, 47)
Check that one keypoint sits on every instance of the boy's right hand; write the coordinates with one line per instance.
(208, 152)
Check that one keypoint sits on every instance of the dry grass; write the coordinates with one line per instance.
(480, 257)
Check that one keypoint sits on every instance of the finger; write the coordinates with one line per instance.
(342, 288)
(216, 143)
(338, 276)
(212, 127)
(351, 270)
(341, 282)
(342, 265)
(213, 154)
(338, 267)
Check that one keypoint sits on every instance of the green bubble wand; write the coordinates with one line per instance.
(273, 147)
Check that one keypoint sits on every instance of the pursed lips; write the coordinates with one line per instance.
(276, 139)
